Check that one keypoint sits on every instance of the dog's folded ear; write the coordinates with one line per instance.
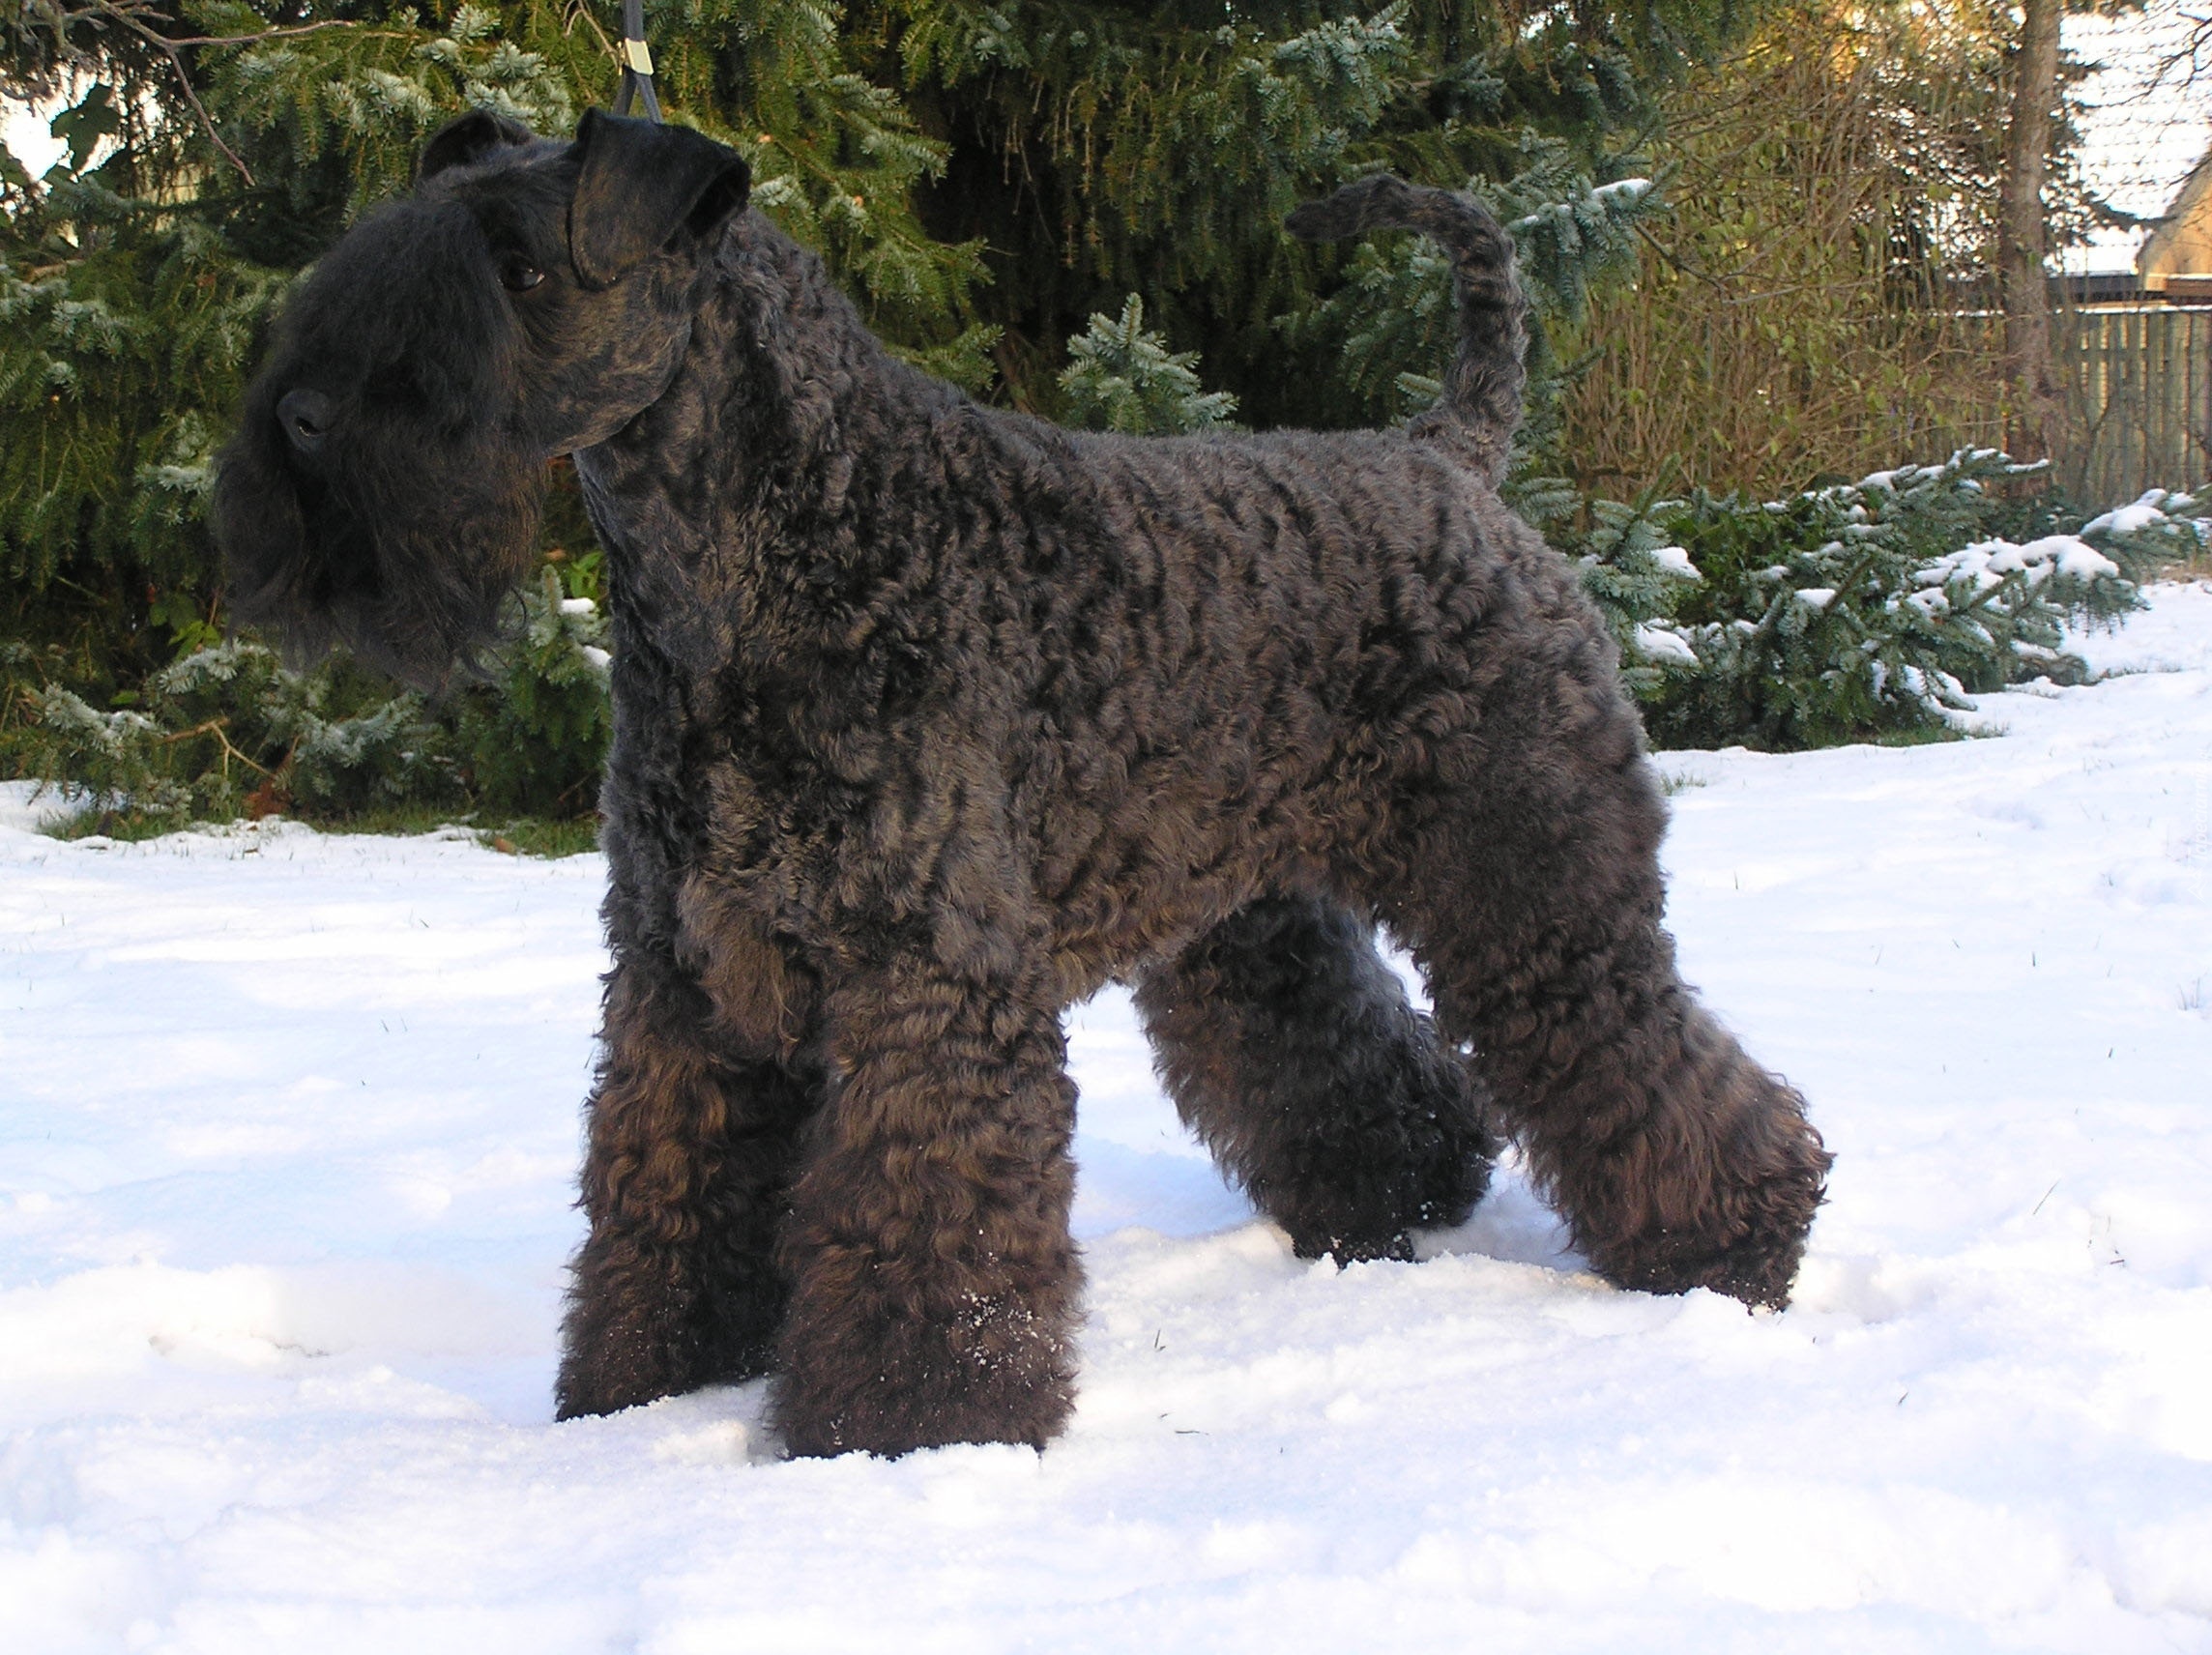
(468, 139)
(642, 185)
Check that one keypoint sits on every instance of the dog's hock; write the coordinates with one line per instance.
(642, 185)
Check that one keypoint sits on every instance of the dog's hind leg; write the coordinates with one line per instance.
(1289, 1047)
(1527, 885)
(685, 1182)
(934, 1285)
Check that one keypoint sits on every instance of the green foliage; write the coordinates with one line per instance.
(535, 740)
(1104, 148)
(1395, 317)
(1630, 566)
(836, 159)
(1097, 149)
(136, 276)
(1124, 377)
(1570, 231)
(994, 182)
(123, 331)
(1183, 139)
(1863, 610)
(2162, 530)
(227, 730)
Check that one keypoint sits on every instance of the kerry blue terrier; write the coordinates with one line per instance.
(931, 719)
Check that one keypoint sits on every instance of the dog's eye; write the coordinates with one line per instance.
(518, 277)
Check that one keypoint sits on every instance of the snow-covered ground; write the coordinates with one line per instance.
(288, 1124)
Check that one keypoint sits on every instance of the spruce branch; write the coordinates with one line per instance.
(137, 17)
(216, 727)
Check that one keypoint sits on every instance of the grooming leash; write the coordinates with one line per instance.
(637, 63)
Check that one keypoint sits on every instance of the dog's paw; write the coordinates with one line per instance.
(865, 1379)
(1357, 1248)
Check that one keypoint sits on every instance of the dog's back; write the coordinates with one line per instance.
(1209, 658)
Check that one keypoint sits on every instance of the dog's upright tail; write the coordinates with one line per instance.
(1481, 403)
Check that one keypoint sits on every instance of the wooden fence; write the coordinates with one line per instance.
(2138, 386)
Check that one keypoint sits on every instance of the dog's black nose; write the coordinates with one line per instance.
(305, 416)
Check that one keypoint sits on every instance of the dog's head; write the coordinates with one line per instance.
(528, 299)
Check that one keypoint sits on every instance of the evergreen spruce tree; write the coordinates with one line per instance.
(1105, 147)
(983, 175)
(1124, 377)
(1867, 610)
(215, 147)
(1011, 189)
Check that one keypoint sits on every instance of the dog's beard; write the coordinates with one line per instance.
(407, 563)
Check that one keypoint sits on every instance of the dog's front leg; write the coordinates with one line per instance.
(934, 1284)
(686, 1178)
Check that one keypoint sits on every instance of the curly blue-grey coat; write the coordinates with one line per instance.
(931, 719)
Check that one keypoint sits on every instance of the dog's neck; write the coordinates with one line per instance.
(706, 557)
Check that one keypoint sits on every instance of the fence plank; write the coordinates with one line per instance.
(2139, 389)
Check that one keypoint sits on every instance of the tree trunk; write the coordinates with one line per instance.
(2021, 240)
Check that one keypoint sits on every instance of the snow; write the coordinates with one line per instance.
(288, 1129)
(1985, 562)
(1660, 643)
(2148, 512)
(25, 131)
(1676, 560)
